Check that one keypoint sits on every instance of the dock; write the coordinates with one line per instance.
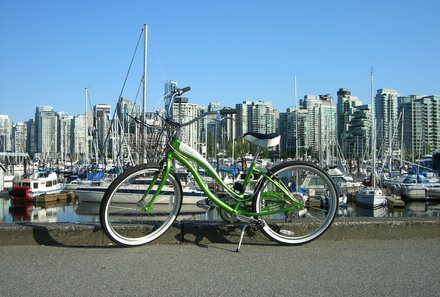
(63, 196)
(433, 194)
(395, 201)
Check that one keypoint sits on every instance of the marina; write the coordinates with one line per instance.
(73, 211)
(136, 139)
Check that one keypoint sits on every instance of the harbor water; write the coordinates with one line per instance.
(86, 212)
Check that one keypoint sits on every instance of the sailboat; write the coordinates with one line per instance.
(372, 196)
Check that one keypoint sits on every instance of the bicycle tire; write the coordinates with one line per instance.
(317, 191)
(122, 215)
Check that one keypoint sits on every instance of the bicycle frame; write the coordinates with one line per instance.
(296, 217)
(185, 154)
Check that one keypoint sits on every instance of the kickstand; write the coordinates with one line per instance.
(241, 237)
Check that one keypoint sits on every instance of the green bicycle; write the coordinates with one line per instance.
(293, 202)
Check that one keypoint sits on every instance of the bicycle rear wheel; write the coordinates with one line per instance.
(309, 185)
(123, 215)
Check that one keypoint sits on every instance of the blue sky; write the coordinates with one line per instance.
(227, 51)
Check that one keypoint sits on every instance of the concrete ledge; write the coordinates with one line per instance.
(197, 232)
(383, 228)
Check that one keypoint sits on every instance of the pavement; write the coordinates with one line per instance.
(197, 232)
(327, 268)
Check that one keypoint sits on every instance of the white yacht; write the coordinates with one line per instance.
(371, 197)
(39, 183)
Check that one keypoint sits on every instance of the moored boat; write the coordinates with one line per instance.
(95, 193)
(36, 184)
(8, 181)
(345, 182)
(370, 197)
(416, 187)
(433, 193)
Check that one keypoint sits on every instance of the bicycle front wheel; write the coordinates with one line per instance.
(124, 215)
(307, 184)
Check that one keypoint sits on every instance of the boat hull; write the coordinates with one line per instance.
(433, 193)
(95, 194)
(39, 183)
(370, 197)
(414, 193)
(26, 193)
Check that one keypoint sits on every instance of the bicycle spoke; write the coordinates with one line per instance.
(310, 186)
(310, 215)
(121, 209)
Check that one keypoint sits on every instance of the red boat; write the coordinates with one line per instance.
(39, 183)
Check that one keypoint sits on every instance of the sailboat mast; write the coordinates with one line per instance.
(373, 137)
(86, 141)
(390, 133)
(144, 93)
(401, 138)
(296, 124)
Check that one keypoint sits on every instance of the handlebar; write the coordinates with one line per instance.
(180, 92)
(228, 110)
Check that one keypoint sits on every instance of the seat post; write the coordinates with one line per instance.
(257, 153)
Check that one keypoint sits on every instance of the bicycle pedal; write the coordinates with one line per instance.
(286, 232)
(255, 227)
(302, 212)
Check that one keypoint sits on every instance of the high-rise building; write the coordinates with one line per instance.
(431, 121)
(101, 130)
(263, 117)
(79, 138)
(303, 133)
(244, 118)
(345, 108)
(318, 131)
(46, 127)
(421, 122)
(357, 141)
(127, 113)
(65, 138)
(170, 86)
(31, 144)
(183, 111)
(214, 137)
(293, 124)
(286, 128)
(255, 116)
(19, 137)
(387, 120)
(327, 143)
(5, 134)
(312, 103)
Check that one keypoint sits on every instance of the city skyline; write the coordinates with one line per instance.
(157, 107)
(325, 125)
(228, 51)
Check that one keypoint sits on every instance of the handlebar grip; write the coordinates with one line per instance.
(183, 90)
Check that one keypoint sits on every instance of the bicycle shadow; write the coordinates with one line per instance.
(62, 235)
(204, 234)
(91, 235)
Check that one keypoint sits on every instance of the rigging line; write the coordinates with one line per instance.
(157, 56)
(125, 81)
(98, 136)
(90, 102)
(131, 64)
(138, 90)
(135, 99)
